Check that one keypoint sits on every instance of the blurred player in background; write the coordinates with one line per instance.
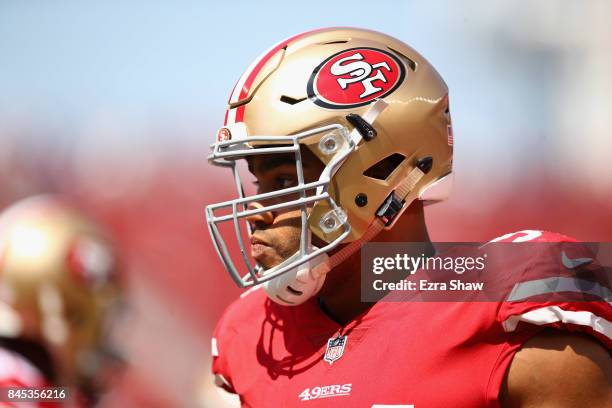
(347, 133)
(59, 291)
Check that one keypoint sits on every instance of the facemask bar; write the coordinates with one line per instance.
(225, 153)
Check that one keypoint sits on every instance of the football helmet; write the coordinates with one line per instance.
(58, 287)
(372, 110)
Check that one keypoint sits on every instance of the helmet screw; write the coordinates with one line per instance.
(330, 144)
(361, 200)
(330, 223)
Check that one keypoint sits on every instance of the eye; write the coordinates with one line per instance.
(286, 181)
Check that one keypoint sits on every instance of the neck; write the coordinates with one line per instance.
(340, 297)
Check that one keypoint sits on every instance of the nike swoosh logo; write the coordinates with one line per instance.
(574, 263)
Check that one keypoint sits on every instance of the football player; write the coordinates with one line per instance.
(58, 292)
(347, 134)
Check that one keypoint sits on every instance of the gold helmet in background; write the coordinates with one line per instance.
(58, 287)
(371, 109)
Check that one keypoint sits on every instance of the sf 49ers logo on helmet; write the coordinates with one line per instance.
(223, 135)
(355, 77)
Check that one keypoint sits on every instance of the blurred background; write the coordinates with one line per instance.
(114, 103)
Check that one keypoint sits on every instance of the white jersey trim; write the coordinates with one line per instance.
(214, 350)
(553, 314)
(220, 381)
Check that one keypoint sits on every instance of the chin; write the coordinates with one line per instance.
(269, 261)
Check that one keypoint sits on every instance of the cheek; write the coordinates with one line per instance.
(288, 219)
(288, 232)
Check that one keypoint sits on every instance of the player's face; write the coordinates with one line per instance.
(276, 235)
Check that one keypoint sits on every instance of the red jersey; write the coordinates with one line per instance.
(396, 354)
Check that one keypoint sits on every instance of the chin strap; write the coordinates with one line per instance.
(298, 284)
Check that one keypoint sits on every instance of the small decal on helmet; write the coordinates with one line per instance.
(224, 134)
(91, 261)
(355, 77)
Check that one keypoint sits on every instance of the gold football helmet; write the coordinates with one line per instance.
(58, 286)
(371, 109)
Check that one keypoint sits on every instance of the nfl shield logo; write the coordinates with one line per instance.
(335, 349)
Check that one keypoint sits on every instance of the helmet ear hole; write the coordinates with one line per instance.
(335, 42)
(383, 169)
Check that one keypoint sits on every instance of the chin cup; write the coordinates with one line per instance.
(299, 284)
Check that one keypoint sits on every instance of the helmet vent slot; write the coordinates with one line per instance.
(383, 169)
(290, 100)
(335, 42)
(409, 62)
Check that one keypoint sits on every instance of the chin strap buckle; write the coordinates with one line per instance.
(390, 209)
(366, 130)
(396, 201)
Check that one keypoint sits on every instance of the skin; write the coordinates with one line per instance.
(559, 370)
(276, 235)
(551, 370)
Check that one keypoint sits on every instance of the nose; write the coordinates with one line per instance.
(261, 218)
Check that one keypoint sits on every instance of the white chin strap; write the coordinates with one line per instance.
(299, 284)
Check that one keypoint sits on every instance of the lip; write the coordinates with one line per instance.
(258, 241)
(258, 248)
